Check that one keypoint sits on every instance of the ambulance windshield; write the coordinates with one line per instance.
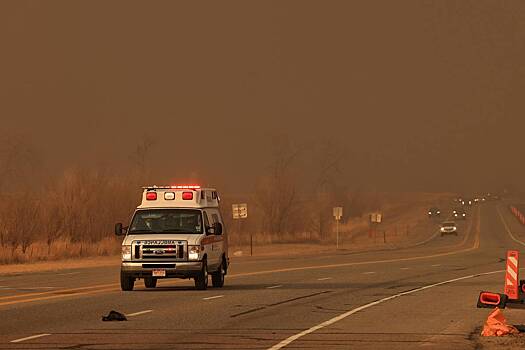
(166, 221)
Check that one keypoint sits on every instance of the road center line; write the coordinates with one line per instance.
(214, 297)
(436, 265)
(342, 316)
(139, 313)
(29, 338)
(404, 268)
(273, 287)
(324, 278)
(368, 273)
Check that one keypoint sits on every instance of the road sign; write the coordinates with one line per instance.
(376, 218)
(338, 213)
(240, 211)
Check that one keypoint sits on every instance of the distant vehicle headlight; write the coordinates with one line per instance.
(442, 229)
(126, 252)
(429, 213)
(464, 214)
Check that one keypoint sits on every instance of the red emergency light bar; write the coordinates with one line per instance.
(186, 187)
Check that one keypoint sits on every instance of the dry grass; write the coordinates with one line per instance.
(59, 250)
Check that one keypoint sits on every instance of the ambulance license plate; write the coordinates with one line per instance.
(159, 273)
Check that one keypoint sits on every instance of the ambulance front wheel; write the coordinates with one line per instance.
(201, 280)
(217, 278)
(126, 282)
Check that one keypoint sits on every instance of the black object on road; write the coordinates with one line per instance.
(114, 316)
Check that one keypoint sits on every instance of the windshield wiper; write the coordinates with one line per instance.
(142, 231)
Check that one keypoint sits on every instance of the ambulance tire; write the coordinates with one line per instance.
(201, 280)
(126, 282)
(217, 278)
(150, 282)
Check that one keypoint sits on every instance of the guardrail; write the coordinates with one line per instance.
(518, 214)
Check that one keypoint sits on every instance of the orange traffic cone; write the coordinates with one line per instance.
(497, 326)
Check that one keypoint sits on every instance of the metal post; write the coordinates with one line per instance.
(337, 234)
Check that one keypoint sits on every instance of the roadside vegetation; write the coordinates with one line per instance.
(52, 215)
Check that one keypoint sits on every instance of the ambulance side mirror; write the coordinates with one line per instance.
(119, 230)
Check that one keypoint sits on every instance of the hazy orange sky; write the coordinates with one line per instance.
(422, 95)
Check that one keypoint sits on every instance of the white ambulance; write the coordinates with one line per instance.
(176, 232)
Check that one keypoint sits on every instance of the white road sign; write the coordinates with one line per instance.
(240, 211)
(338, 212)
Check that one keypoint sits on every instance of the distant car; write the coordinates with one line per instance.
(459, 214)
(448, 228)
(432, 212)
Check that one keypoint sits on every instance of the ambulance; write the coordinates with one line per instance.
(176, 232)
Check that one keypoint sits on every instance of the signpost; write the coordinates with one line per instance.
(338, 214)
(240, 211)
(375, 220)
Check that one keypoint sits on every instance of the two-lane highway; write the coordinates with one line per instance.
(423, 296)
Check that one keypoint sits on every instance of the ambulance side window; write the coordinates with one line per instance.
(206, 222)
(215, 218)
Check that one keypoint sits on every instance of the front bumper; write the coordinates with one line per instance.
(183, 269)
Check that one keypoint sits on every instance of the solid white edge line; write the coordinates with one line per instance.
(139, 313)
(331, 321)
(214, 297)
(507, 227)
(273, 287)
(29, 338)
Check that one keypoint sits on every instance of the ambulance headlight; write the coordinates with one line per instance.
(193, 252)
(126, 252)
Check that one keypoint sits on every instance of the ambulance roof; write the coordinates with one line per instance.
(191, 196)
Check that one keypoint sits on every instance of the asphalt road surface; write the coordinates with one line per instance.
(419, 297)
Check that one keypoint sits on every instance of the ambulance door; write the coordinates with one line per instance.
(209, 241)
(219, 238)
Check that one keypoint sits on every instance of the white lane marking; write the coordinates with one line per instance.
(507, 227)
(404, 268)
(29, 338)
(67, 273)
(214, 297)
(368, 273)
(139, 313)
(324, 278)
(273, 287)
(342, 316)
(436, 265)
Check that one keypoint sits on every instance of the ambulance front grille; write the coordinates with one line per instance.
(156, 251)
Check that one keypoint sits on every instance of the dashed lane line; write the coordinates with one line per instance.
(30, 338)
(139, 313)
(214, 297)
(273, 287)
(324, 278)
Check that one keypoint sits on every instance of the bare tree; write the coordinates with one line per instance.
(276, 193)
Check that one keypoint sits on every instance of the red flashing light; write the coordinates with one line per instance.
(187, 196)
(151, 196)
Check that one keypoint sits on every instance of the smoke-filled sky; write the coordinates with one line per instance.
(421, 95)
